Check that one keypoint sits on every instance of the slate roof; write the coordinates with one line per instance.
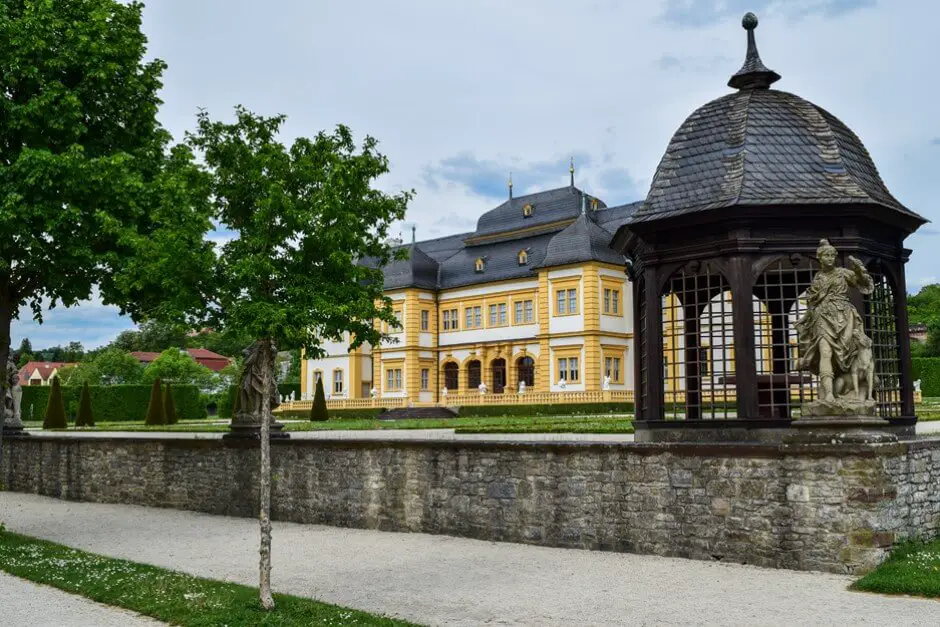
(549, 206)
(760, 146)
(450, 262)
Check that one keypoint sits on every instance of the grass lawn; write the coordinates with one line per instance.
(166, 595)
(502, 424)
(913, 568)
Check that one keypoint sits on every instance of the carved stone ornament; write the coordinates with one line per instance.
(832, 340)
(12, 399)
(250, 389)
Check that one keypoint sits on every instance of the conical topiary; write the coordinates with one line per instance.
(169, 406)
(55, 409)
(85, 416)
(318, 411)
(155, 413)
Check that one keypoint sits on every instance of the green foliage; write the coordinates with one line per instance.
(152, 336)
(85, 416)
(156, 415)
(169, 407)
(178, 366)
(927, 369)
(228, 342)
(55, 408)
(318, 412)
(303, 217)
(913, 568)
(924, 307)
(117, 403)
(110, 366)
(172, 597)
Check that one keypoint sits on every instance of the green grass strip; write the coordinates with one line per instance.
(913, 568)
(166, 595)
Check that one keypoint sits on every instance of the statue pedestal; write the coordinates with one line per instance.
(857, 429)
(252, 431)
(15, 431)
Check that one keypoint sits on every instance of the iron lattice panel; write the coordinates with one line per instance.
(779, 298)
(698, 346)
(643, 376)
(881, 327)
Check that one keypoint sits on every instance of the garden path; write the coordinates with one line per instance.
(441, 580)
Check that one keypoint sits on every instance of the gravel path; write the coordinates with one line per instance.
(26, 604)
(441, 580)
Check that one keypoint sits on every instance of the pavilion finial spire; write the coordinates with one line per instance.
(753, 74)
(571, 171)
(510, 187)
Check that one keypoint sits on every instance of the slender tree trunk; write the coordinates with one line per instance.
(264, 587)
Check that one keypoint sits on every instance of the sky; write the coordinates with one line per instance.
(460, 94)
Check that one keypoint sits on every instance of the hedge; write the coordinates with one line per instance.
(112, 403)
(927, 369)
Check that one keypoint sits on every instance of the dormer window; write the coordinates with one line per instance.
(479, 264)
(523, 257)
(527, 210)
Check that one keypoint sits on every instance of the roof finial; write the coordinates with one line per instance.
(571, 171)
(413, 235)
(583, 203)
(510, 186)
(753, 74)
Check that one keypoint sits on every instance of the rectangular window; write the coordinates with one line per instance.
(573, 374)
(425, 319)
(393, 379)
(612, 368)
(572, 301)
(445, 323)
(563, 369)
(529, 317)
(492, 315)
(425, 379)
(607, 292)
(337, 382)
(478, 317)
(560, 305)
(518, 307)
(615, 305)
(502, 314)
(468, 323)
(450, 320)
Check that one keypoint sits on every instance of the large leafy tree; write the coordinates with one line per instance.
(176, 366)
(91, 191)
(303, 216)
(152, 336)
(108, 367)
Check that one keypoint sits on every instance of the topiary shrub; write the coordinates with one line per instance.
(318, 412)
(927, 369)
(55, 409)
(169, 407)
(85, 417)
(155, 412)
(117, 403)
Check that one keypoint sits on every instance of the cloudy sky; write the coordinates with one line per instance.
(461, 93)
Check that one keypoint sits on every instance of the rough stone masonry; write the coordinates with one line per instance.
(835, 508)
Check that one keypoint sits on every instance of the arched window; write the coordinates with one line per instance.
(474, 374)
(525, 366)
(523, 257)
(479, 264)
(451, 376)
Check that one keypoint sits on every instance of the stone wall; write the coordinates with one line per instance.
(831, 508)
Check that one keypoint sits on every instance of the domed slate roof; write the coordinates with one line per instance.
(760, 146)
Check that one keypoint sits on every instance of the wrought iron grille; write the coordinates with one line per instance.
(643, 375)
(779, 302)
(881, 327)
(698, 345)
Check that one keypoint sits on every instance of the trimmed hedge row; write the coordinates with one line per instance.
(112, 403)
(927, 369)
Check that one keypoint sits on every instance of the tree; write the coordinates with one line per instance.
(229, 342)
(85, 416)
(25, 350)
(109, 367)
(169, 407)
(85, 165)
(179, 367)
(153, 336)
(73, 352)
(156, 415)
(303, 216)
(55, 408)
(318, 411)
(924, 307)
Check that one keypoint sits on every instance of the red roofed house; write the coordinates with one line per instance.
(41, 372)
(212, 361)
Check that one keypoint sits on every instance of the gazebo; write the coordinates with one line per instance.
(723, 250)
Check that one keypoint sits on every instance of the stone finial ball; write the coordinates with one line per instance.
(749, 21)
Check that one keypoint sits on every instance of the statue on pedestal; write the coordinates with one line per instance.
(917, 385)
(522, 387)
(444, 391)
(606, 384)
(563, 383)
(832, 340)
(11, 418)
(251, 388)
(482, 387)
(373, 392)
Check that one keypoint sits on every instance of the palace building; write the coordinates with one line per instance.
(533, 298)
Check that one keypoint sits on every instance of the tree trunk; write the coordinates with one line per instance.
(264, 587)
(6, 319)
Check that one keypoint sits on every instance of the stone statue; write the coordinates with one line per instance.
(917, 385)
(291, 397)
(12, 399)
(251, 387)
(482, 387)
(563, 383)
(522, 387)
(373, 392)
(606, 384)
(444, 391)
(832, 340)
